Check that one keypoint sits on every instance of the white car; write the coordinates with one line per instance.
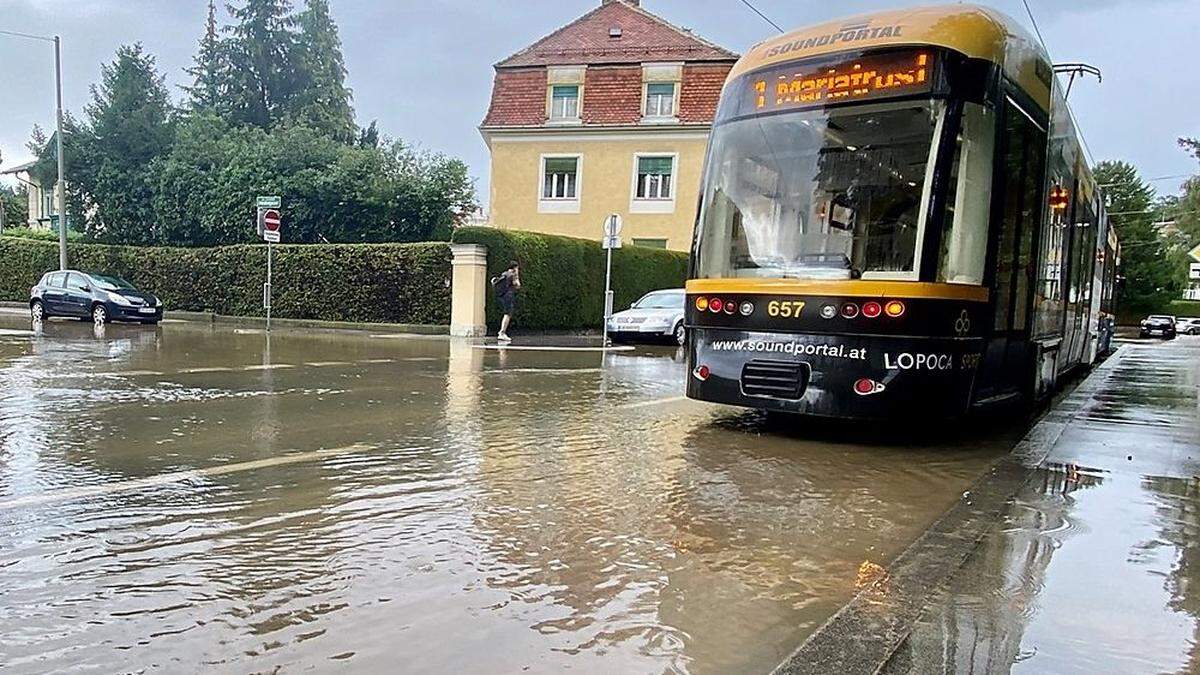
(657, 315)
(1185, 325)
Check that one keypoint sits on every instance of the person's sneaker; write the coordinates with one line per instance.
(503, 337)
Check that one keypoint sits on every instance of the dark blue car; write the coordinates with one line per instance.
(100, 297)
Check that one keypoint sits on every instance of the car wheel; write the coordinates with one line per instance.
(36, 311)
(680, 334)
(99, 315)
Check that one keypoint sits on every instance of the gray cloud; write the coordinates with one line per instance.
(423, 68)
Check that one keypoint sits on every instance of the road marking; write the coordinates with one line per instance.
(269, 366)
(657, 401)
(212, 369)
(323, 364)
(176, 477)
(135, 373)
(378, 361)
(20, 333)
(547, 348)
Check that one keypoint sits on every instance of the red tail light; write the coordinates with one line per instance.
(715, 304)
(872, 309)
(849, 310)
(700, 373)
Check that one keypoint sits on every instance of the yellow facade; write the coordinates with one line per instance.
(607, 177)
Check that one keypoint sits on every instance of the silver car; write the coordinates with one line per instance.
(657, 315)
(1186, 325)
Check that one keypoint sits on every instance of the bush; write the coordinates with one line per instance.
(562, 279)
(1132, 316)
(41, 235)
(393, 283)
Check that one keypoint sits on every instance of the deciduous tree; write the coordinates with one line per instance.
(1149, 281)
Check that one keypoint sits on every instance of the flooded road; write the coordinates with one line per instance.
(1095, 566)
(199, 497)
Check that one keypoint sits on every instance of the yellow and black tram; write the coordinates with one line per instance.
(897, 218)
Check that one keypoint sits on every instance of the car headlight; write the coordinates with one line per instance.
(119, 299)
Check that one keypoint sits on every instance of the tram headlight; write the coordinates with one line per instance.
(828, 312)
(747, 308)
(894, 309)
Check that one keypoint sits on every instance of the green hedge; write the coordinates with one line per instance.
(1132, 316)
(562, 279)
(393, 283)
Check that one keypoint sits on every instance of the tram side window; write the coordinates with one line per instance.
(964, 243)
(1024, 167)
(1031, 217)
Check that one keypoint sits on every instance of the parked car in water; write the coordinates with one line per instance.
(100, 297)
(1158, 325)
(657, 315)
(1187, 325)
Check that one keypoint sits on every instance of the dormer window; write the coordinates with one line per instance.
(660, 99)
(564, 102)
(660, 92)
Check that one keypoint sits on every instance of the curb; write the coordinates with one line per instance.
(317, 324)
(260, 322)
(865, 633)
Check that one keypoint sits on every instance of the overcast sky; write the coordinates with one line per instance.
(423, 67)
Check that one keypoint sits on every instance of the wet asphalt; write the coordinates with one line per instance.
(199, 497)
(1094, 565)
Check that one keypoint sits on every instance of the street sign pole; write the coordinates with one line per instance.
(270, 217)
(608, 296)
(267, 287)
(612, 239)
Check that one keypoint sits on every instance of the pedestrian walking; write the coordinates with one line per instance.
(506, 285)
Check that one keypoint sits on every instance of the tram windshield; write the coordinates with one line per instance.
(819, 193)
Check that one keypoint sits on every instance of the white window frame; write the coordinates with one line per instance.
(654, 205)
(550, 117)
(673, 115)
(559, 204)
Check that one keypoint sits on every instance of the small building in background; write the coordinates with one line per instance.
(42, 204)
(609, 114)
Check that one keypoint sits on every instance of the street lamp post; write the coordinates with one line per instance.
(62, 181)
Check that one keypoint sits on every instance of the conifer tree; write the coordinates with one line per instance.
(130, 124)
(261, 53)
(322, 100)
(208, 72)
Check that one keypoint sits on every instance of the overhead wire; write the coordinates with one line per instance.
(762, 16)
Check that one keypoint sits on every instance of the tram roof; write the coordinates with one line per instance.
(974, 31)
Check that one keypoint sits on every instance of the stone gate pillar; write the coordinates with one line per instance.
(468, 290)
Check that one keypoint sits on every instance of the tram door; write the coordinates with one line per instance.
(1006, 367)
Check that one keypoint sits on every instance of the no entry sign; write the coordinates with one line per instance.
(269, 220)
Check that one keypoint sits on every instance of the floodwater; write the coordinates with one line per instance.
(200, 498)
(1095, 567)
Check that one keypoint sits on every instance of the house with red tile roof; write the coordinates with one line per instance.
(608, 114)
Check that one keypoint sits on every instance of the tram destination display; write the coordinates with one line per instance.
(801, 85)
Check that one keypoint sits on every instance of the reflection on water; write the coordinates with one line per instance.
(1095, 567)
(490, 510)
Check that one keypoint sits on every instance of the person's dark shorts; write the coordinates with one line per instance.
(508, 303)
